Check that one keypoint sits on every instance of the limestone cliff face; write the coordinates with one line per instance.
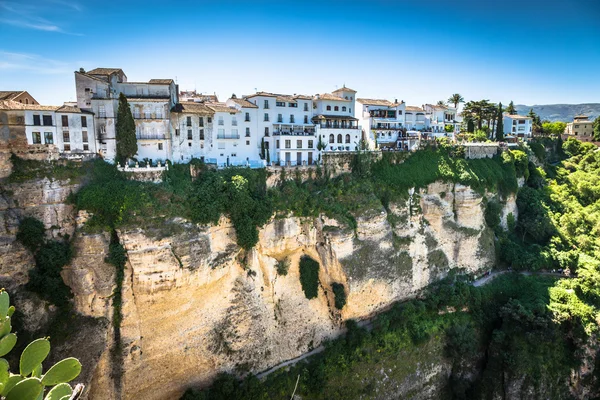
(195, 304)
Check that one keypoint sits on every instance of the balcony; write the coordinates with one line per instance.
(386, 128)
(228, 136)
(293, 133)
(337, 126)
(147, 116)
(153, 136)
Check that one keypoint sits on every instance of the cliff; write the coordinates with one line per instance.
(195, 304)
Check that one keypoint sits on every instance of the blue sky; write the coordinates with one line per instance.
(532, 52)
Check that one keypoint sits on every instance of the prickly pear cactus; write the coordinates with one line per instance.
(31, 383)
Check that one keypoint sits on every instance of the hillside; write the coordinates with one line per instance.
(561, 112)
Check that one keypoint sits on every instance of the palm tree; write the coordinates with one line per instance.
(441, 103)
(455, 99)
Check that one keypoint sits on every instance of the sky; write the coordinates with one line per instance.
(531, 52)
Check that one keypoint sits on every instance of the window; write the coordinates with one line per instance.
(189, 144)
(294, 105)
(247, 119)
(298, 144)
(399, 112)
(83, 121)
(201, 121)
(209, 120)
(201, 134)
(37, 137)
(279, 104)
(221, 122)
(279, 118)
(36, 120)
(267, 145)
(234, 133)
(310, 144)
(266, 131)
(67, 147)
(86, 147)
(266, 106)
(288, 144)
(101, 112)
(64, 120)
(331, 138)
(48, 138)
(66, 137)
(336, 108)
(344, 108)
(190, 134)
(306, 119)
(339, 138)
(188, 121)
(176, 132)
(292, 119)
(158, 112)
(305, 106)
(221, 133)
(233, 121)
(347, 138)
(350, 110)
(277, 144)
(266, 116)
(160, 146)
(84, 136)
(328, 108)
(247, 132)
(247, 143)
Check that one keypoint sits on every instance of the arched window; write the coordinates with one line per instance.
(331, 138)
(340, 138)
(336, 108)
(347, 138)
(328, 108)
(344, 108)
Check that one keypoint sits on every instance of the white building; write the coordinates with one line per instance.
(285, 122)
(98, 91)
(439, 117)
(415, 119)
(337, 127)
(191, 131)
(518, 125)
(66, 129)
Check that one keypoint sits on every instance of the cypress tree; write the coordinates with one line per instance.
(511, 108)
(262, 148)
(125, 136)
(470, 125)
(500, 126)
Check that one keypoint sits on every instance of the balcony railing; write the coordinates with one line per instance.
(335, 126)
(154, 136)
(386, 128)
(228, 136)
(295, 133)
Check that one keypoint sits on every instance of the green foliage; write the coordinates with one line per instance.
(339, 294)
(125, 131)
(456, 99)
(30, 382)
(511, 108)
(493, 209)
(24, 170)
(282, 267)
(31, 233)
(309, 277)
(117, 256)
(554, 128)
(521, 161)
(500, 125)
(477, 136)
(534, 221)
(597, 129)
(470, 125)
(449, 128)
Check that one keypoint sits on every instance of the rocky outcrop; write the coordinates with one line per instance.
(195, 304)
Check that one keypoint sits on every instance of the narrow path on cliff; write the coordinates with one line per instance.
(367, 323)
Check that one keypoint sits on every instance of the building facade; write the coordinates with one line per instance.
(518, 125)
(337, 126)
(581, 128)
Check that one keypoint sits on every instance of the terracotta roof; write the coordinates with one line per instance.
(9, 95)
(344, 88)
(329, 96)
(436, 107)
(285, 98)
(72, 109)
(104, 71)
(221, 107)
(302, 97)
(161, 81)
(375, 102)
(414, 108)
(191, 107)
(15, 105)
(244, 103)
(516, 116)
(264, 94)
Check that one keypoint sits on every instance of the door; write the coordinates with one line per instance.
(288, 158)
(298, 158)
(310, 160)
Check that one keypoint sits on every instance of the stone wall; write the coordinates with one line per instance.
(481, 150)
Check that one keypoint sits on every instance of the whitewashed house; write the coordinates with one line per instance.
(337, 127)
(191, 131)
(415, 119)
(383, 120)
(98, 91)
(518, 125)
(439, 117)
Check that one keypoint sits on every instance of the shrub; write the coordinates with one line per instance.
(309, 277)
(282, 267)
(31, 233)
(493, 210)
(339, 294)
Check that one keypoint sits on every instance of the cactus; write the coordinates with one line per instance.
(31, 382)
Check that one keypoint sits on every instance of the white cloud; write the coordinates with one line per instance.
(24, 62)
(26, 16)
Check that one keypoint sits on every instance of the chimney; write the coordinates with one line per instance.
(82, 70)
(233, 96)
(395, 100)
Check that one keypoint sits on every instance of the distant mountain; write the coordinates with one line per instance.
(561, 112)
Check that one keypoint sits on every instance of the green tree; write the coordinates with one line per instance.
(480, 111)
(456, 99)
(470, 125)
(500, 125)
(511, 108)
(441, 103)
(125, 135)
(262, 149)
(537, 123)
(597, 128)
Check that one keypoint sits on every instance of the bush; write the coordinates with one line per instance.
(309, 277)
(493, 210)
(282, 267)
(31, 233)
(339, 294)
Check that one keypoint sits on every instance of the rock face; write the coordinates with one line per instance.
(195, 304)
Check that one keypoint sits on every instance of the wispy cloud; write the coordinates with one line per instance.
(11, 61)
(26, 16)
